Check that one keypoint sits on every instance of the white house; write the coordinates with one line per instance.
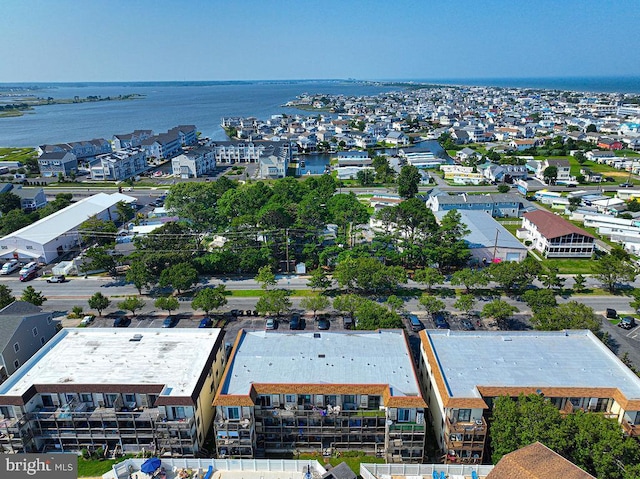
(194, 163)
(555, 237)
(52, 236)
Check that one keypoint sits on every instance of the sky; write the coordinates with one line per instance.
(190, 40)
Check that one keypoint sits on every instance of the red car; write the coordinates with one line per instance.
(27, 277)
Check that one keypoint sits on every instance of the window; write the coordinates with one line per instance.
(233, 413)
(403, 415)
(16, 347)
(35, 332)
(29, 246)
(348, 399)
(265, 401)
(290, 398)
(86, 398)
(464, 415)
(129, 398)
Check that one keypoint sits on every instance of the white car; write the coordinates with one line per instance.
(87, 320)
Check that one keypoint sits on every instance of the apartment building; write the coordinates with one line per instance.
(53, 163)
(119, 165)
(194, 163)
(323, 392)
(121, 389)
(464, 371)
(497, 205)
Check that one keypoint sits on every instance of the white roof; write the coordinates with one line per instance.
(108, 356)
(358, 357)
(69, 218)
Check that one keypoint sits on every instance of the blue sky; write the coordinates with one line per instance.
(137, 40)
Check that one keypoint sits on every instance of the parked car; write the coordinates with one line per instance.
(271, 324)
(612, 313)
(10, 266)
(57, 278)
(440, 321)
(87, 320)
(28, 276)
(416, 324)
(627, 322)
(626, 185)
(170, 322)
(28, 268)
(296, 322)
(324, 324)
(347, 322)
(466, 324)
(121, 322)
(205, 322)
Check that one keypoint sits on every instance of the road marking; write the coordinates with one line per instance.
(634, 333)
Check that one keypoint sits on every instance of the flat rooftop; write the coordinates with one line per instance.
(106, 356)
(554, 359)
(359, 358)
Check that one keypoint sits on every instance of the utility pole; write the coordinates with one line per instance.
(286, 233)
(495, 245)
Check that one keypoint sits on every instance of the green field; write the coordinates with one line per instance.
(17, 154)
(570, 265)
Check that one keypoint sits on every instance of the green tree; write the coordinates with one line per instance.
(181, 277)
(197, 202)
(30, 295)
(539, 299)
(431, 304)
(266, 277)
(394, 303)
(319, 280)
(14, 220)
(513, 277)
(574, 203)
(500, 311)
(371, 315)
(210, 299)
(345, 209)
(550, 174)
(167, 303)
(274, 301)
(315, 303)
(366, 177)
(428, 277)
(504, 188)
(469, 278)
(125, 211)
(368, 275)
(9, 201)
(384, 172)
(611, 271)
(6, 298)
(550, 278)
(139, 275)
(571, 315)
(408, 181)
(579, 283)
(452, 251)
(348, 303)
(97, 231)
(591, 128)
(99, 302)
(465, 303)
(131, 303)
(102, 259)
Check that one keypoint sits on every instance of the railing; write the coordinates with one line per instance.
(631, 429)
(477, 427)
(406, 427)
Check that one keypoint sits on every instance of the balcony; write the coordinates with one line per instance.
(632, 430)
(478, 427)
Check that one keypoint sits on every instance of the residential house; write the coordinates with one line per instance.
(119, 165)
(31, 199)
(316, 403)
(24, 329)
(466, 154)
(80, 149)
(610, 144)
(563, 168)
(125, 390)
(195, 163)
(600, 156)
(536, 461)
(555, 237)
(571, 368)
(396, 138)
(57, 162)
(272, 167)
(497, 205)
(165, 145)
(130, 140)
(523, 144)
(421, 157)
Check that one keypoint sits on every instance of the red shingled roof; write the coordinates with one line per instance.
(553, 226)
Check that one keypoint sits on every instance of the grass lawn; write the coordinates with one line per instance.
(257, 293)
(94, 467)
(570, 265)
(17, 154)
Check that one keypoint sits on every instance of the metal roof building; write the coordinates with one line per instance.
(54, 235)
